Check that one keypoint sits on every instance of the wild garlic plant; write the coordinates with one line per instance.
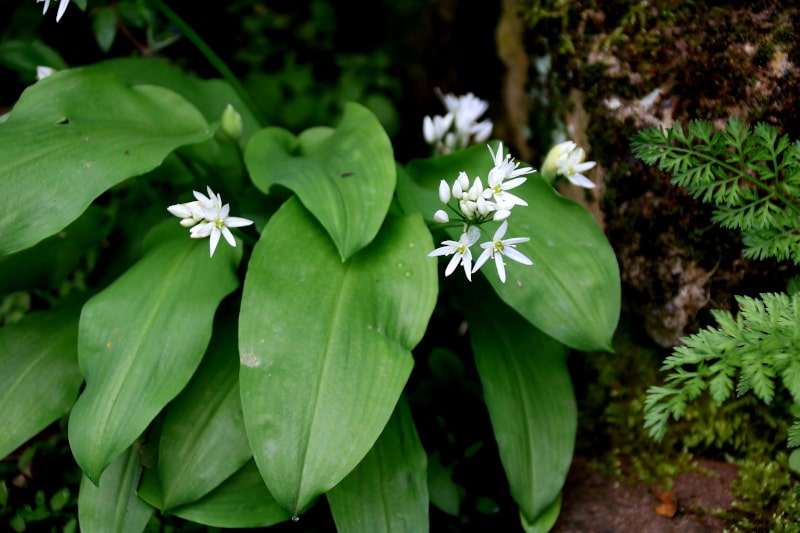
(752, 177)
(459, 127)
(236, 384)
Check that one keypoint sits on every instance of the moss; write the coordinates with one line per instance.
(764, 54)
(767, 497)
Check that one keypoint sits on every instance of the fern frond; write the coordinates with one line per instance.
(794, 434)
(761, 344)
(780, 243)
(751, 176)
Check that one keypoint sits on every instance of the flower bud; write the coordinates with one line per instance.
(549, 169)
(441, 217)
(231, 122)
(444, 192)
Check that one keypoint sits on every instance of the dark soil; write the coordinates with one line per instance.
(594, 503)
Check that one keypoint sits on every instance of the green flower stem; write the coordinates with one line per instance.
(212, 57)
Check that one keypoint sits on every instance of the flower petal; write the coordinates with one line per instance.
(237, 222)
(501, 268)
(516, 255)
(486, 254)
(180, 210)
(214, 240)
(228, 236)
(451, 266)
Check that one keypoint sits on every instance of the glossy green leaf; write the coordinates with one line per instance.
(40, 378)
(344, 176)
(240, 501)
(572, 291)
(388, 490)
(528, 391)
(210, 97)
(203, 441)
(75, 134)
(141, 339)
(104, 26)
(113, 505)
(546, 519)
(47, 264)
(25, 55)
(325, 346)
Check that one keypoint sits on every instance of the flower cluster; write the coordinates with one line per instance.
(458, 128)
(62, 7)
(476, 204)
(207, 217)
(567, 160)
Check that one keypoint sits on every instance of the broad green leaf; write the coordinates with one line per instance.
(210, 97)
(40, 378)
(528, 392)
(545, 521)
(141, 339)
(388, 490)
(203, 441)
(325, 346)
(572, 291)
(113, 505)
(240, 501)
(344, 176)
(47, 264)
(25, 55)
(75, 134)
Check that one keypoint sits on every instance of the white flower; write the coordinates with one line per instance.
(441, 216)
(505, 168)
(572, 167)
(434, 129)
(217, 224)
(549, 169)
(459, 127)
(62, 7)
(207, 217)
(467, 108)
(191, 213)
(460, 250)
(499, 247)
(482, 131)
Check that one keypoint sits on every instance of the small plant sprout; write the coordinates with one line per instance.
(458, 128)
(207, 217)
(568, 160)
(475, 205)
(62, 7)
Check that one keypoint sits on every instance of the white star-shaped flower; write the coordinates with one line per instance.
(503, 177)
(460, 250)
(217, 223)
(573, 166)
(207, 217)
(499, 247)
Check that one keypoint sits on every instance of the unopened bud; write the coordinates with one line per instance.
(231, 122)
